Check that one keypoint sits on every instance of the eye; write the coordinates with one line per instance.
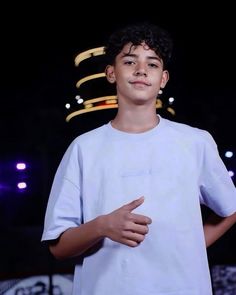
(128, 62)
(152, 65)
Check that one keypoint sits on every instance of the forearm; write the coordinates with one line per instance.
(215, 226)
(121, 225)
(75, 241)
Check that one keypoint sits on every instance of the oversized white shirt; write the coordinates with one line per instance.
(176, 168)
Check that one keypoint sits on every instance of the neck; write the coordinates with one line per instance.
(136, 120)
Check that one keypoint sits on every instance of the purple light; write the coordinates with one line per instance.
(22, 185)
(20, 166)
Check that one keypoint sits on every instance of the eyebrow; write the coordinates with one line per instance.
(151, 57)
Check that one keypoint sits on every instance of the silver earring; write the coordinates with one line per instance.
(160, 92)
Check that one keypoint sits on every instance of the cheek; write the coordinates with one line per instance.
(158, 82)
(122, 78)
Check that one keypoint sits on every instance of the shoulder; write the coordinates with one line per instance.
(91, 137)
(188, 132)
(87, 141)
(183, 128)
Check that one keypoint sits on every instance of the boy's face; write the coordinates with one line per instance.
(138, 73)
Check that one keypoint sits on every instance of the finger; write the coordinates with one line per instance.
(137, 228)
(133, 236)
(130, 243)
(134, 204)
(140, 229)
(140, 219)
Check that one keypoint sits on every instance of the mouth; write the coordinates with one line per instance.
(139, 83)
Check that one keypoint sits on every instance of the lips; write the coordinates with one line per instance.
(140, 82)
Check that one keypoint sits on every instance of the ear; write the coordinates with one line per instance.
(165, 78)
(109, 71)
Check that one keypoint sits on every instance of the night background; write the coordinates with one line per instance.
(38, 77)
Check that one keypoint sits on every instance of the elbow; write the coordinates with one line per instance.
(55, 250)
(233, 216)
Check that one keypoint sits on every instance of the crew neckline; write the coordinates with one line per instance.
(116, 133)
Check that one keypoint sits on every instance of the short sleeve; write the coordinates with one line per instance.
(217, 189)
(64, 203)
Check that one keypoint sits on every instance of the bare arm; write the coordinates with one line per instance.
(121, 226)
(215, 226)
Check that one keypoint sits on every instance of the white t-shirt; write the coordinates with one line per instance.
(176, 168)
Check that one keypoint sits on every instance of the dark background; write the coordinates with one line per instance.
(38, 76)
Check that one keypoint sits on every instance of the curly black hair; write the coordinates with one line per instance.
(154, 36)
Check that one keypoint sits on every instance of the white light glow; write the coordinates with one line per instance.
(20, 166)
(22, 185)
(229, 154)
(231, 173)
(171, 100)
(80, 100)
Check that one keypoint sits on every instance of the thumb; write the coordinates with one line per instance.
(134, 204)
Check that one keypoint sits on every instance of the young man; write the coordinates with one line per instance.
(133, 214)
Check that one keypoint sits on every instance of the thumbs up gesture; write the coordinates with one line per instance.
(124, 226)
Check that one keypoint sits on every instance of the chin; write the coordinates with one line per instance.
(142, 101)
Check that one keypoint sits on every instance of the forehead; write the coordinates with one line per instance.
(130, 49)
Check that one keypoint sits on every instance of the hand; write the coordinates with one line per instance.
(125, 227)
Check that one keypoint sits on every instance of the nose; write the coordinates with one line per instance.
(140, 71)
